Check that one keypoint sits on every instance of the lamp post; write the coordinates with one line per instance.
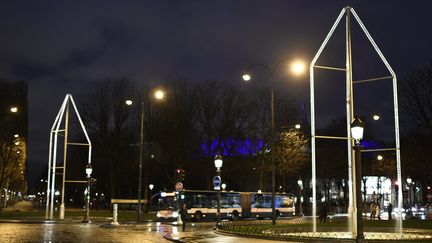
(218, 164)
(409, 182)
(357, 128)
(300, 183)
(297, 67)
(159, 95)
(88, 171)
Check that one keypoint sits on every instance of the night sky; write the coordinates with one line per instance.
(63, 47)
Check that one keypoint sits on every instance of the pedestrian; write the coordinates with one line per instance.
(323, 213)
(183, 215)
(389, 211)
(377, 210)
(373, 211)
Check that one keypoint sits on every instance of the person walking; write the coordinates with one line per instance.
(389, 211)
(378, 212)
(373, 210)
(323, 213)
(183, 215)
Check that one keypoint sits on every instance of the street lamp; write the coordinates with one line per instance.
(151, 186)
(376, 117)
(296, 68)
(223, 186)
(409, 182)
(88, 171)
(297, 126)
(14, 109)
(357, 128)
(300, 183)
(218, 161)
(159, 95)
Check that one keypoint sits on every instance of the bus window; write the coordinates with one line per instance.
(261, 201)
(230, 200)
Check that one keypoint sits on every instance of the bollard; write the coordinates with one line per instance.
(115, 207)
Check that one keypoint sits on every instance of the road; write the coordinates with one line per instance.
(77, 232)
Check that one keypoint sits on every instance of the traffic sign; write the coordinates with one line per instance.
(216, 182)
(178, 186)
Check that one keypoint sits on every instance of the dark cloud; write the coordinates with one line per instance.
(28, 70)
(83, 57)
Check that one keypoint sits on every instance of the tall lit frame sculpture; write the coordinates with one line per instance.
(52, 156)
(347, 11)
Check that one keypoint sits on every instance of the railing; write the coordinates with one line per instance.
(253, 229)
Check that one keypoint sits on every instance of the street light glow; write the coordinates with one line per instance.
(14, 109)
(300, 182)
(128, 102)
(218, 161)
(88, 170)
(159, 94)
(409, 180)
(246, 77)
(16, 135)
(297, 126)
(379, 157)
(376, 117)
(298, 67)
(357, 129)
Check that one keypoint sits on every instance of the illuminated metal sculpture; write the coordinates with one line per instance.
(52, 156)
(347, 11)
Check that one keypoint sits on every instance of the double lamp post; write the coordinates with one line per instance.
(297, 67)
(159, 95)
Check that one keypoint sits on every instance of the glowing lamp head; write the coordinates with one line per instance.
(298, 67)
(297, 126)
(246, 77)
(376, 117)
(409, 180)
(151, 186)
(223, 186)
(14, 109)
(380, 157)
(300, 182)
(88, 170)
(159, 94)
(129, 102)
(357, 128)
(218, 161)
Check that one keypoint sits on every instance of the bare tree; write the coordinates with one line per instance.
(416, 93)
(12, 163)
(108, 119)
(416, 100)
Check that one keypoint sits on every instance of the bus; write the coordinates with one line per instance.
(202, 205)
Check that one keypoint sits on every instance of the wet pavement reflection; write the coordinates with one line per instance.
(78, 232)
